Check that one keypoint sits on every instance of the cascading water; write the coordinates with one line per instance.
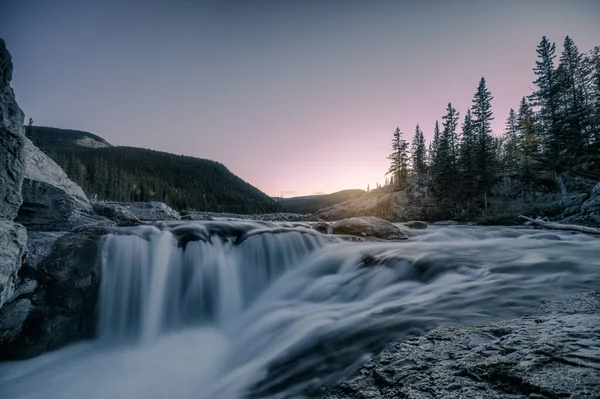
(240, 309)
(159, 282)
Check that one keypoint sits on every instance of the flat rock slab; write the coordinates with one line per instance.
(551, 356)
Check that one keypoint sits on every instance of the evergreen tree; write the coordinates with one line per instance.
(484, 154)
(419, 154)
(529, 146)
(511, 150)
(545, 98)
(399, 160)
(467, 159)
(434, 149)
(446, 162)
(570, 83)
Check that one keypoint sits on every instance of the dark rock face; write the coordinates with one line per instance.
(12, 167)
(13, 236)
(367, 226)
(555, 355)
(13, 239)
(62, 308)
(117, 213)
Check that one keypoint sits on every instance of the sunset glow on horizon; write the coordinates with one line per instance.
(295, 97)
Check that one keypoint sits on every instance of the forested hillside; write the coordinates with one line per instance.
(550, 147)
(313, 203)
(128, 174)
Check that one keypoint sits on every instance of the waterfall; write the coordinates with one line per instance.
(158, 282)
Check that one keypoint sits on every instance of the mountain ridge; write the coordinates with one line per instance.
(127, 174)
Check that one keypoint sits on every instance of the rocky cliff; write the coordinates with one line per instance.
(13, 236)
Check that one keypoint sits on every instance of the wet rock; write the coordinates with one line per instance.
(117, 213)
(416, 224)
(555, 355)
(368, 226)
(321, 227)
(195, 216)
(63, 303)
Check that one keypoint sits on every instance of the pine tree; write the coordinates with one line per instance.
(399, 160)
(529, 146)
(545, 98)
(419, 154)
(434, 149)
(572, 120)
(446, 161)
(467, 160)
(484, 154)
(511, 151)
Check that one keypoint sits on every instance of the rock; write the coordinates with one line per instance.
(195, 216)
(12, 318)
(550, 356)
(447, 223)
(47, 207)
(13, 241)
(51, 201)
(285, 217)
(12, 170)
(368, 226)
(117, 213)
(321, 227)
(152, 211)
(575, 200)
(63, 306)
(592, 205)
(40, 167)
(416, 224)
(588, 214)
(12, 167)
(39, 246)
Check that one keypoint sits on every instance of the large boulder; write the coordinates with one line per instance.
(152, 211)
(51, 201)
(61, 307)
(13, 240)
(367, 226)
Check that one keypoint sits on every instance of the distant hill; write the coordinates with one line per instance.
(127, 174)
(313, 203)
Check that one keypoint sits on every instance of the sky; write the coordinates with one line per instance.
(296, 97)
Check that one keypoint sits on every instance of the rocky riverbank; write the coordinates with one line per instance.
(554, 354)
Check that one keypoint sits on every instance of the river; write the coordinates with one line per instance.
(225, 310)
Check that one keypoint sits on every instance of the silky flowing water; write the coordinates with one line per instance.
(225, 310)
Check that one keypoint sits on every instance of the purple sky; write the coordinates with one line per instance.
(296, 97)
